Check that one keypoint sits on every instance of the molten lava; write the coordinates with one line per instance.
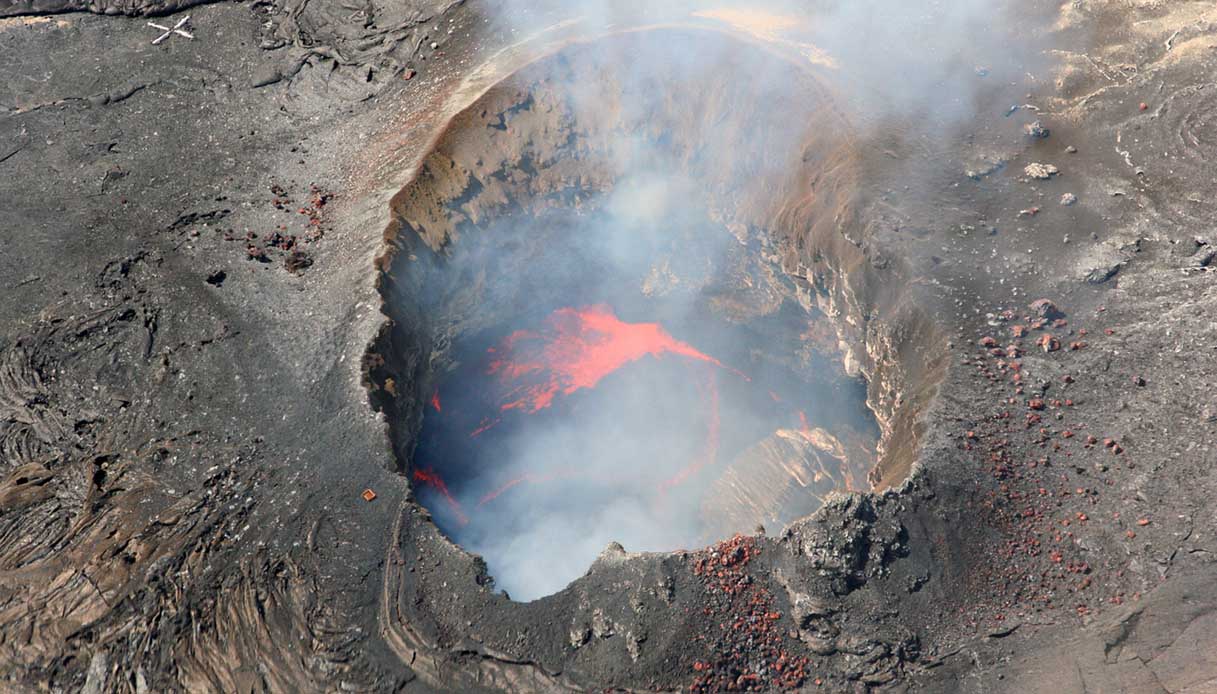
(577, 349)
(581, 428)
(432, 479)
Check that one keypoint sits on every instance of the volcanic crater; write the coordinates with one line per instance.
(621, 281)
(606, 320)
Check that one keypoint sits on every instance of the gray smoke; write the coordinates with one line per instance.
(915, 67)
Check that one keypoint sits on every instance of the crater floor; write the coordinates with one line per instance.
(575, 420)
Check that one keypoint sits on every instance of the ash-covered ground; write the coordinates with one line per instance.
(193, 249)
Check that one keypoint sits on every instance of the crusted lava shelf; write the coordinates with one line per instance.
(622, 308)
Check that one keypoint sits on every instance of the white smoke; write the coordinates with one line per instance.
(920, 65)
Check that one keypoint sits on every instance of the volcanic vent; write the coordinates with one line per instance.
(602, 326)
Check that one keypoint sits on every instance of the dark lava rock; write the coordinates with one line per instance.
(1036, 129)
(1204, 256)
(108, 7)
(1100, 275)
(297, 262)
(1046, 309)
(1209, 412)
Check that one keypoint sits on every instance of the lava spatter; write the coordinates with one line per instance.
(746, 643)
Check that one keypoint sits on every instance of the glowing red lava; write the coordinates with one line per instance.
(577, 349)
(431, 478)
(483, 426)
